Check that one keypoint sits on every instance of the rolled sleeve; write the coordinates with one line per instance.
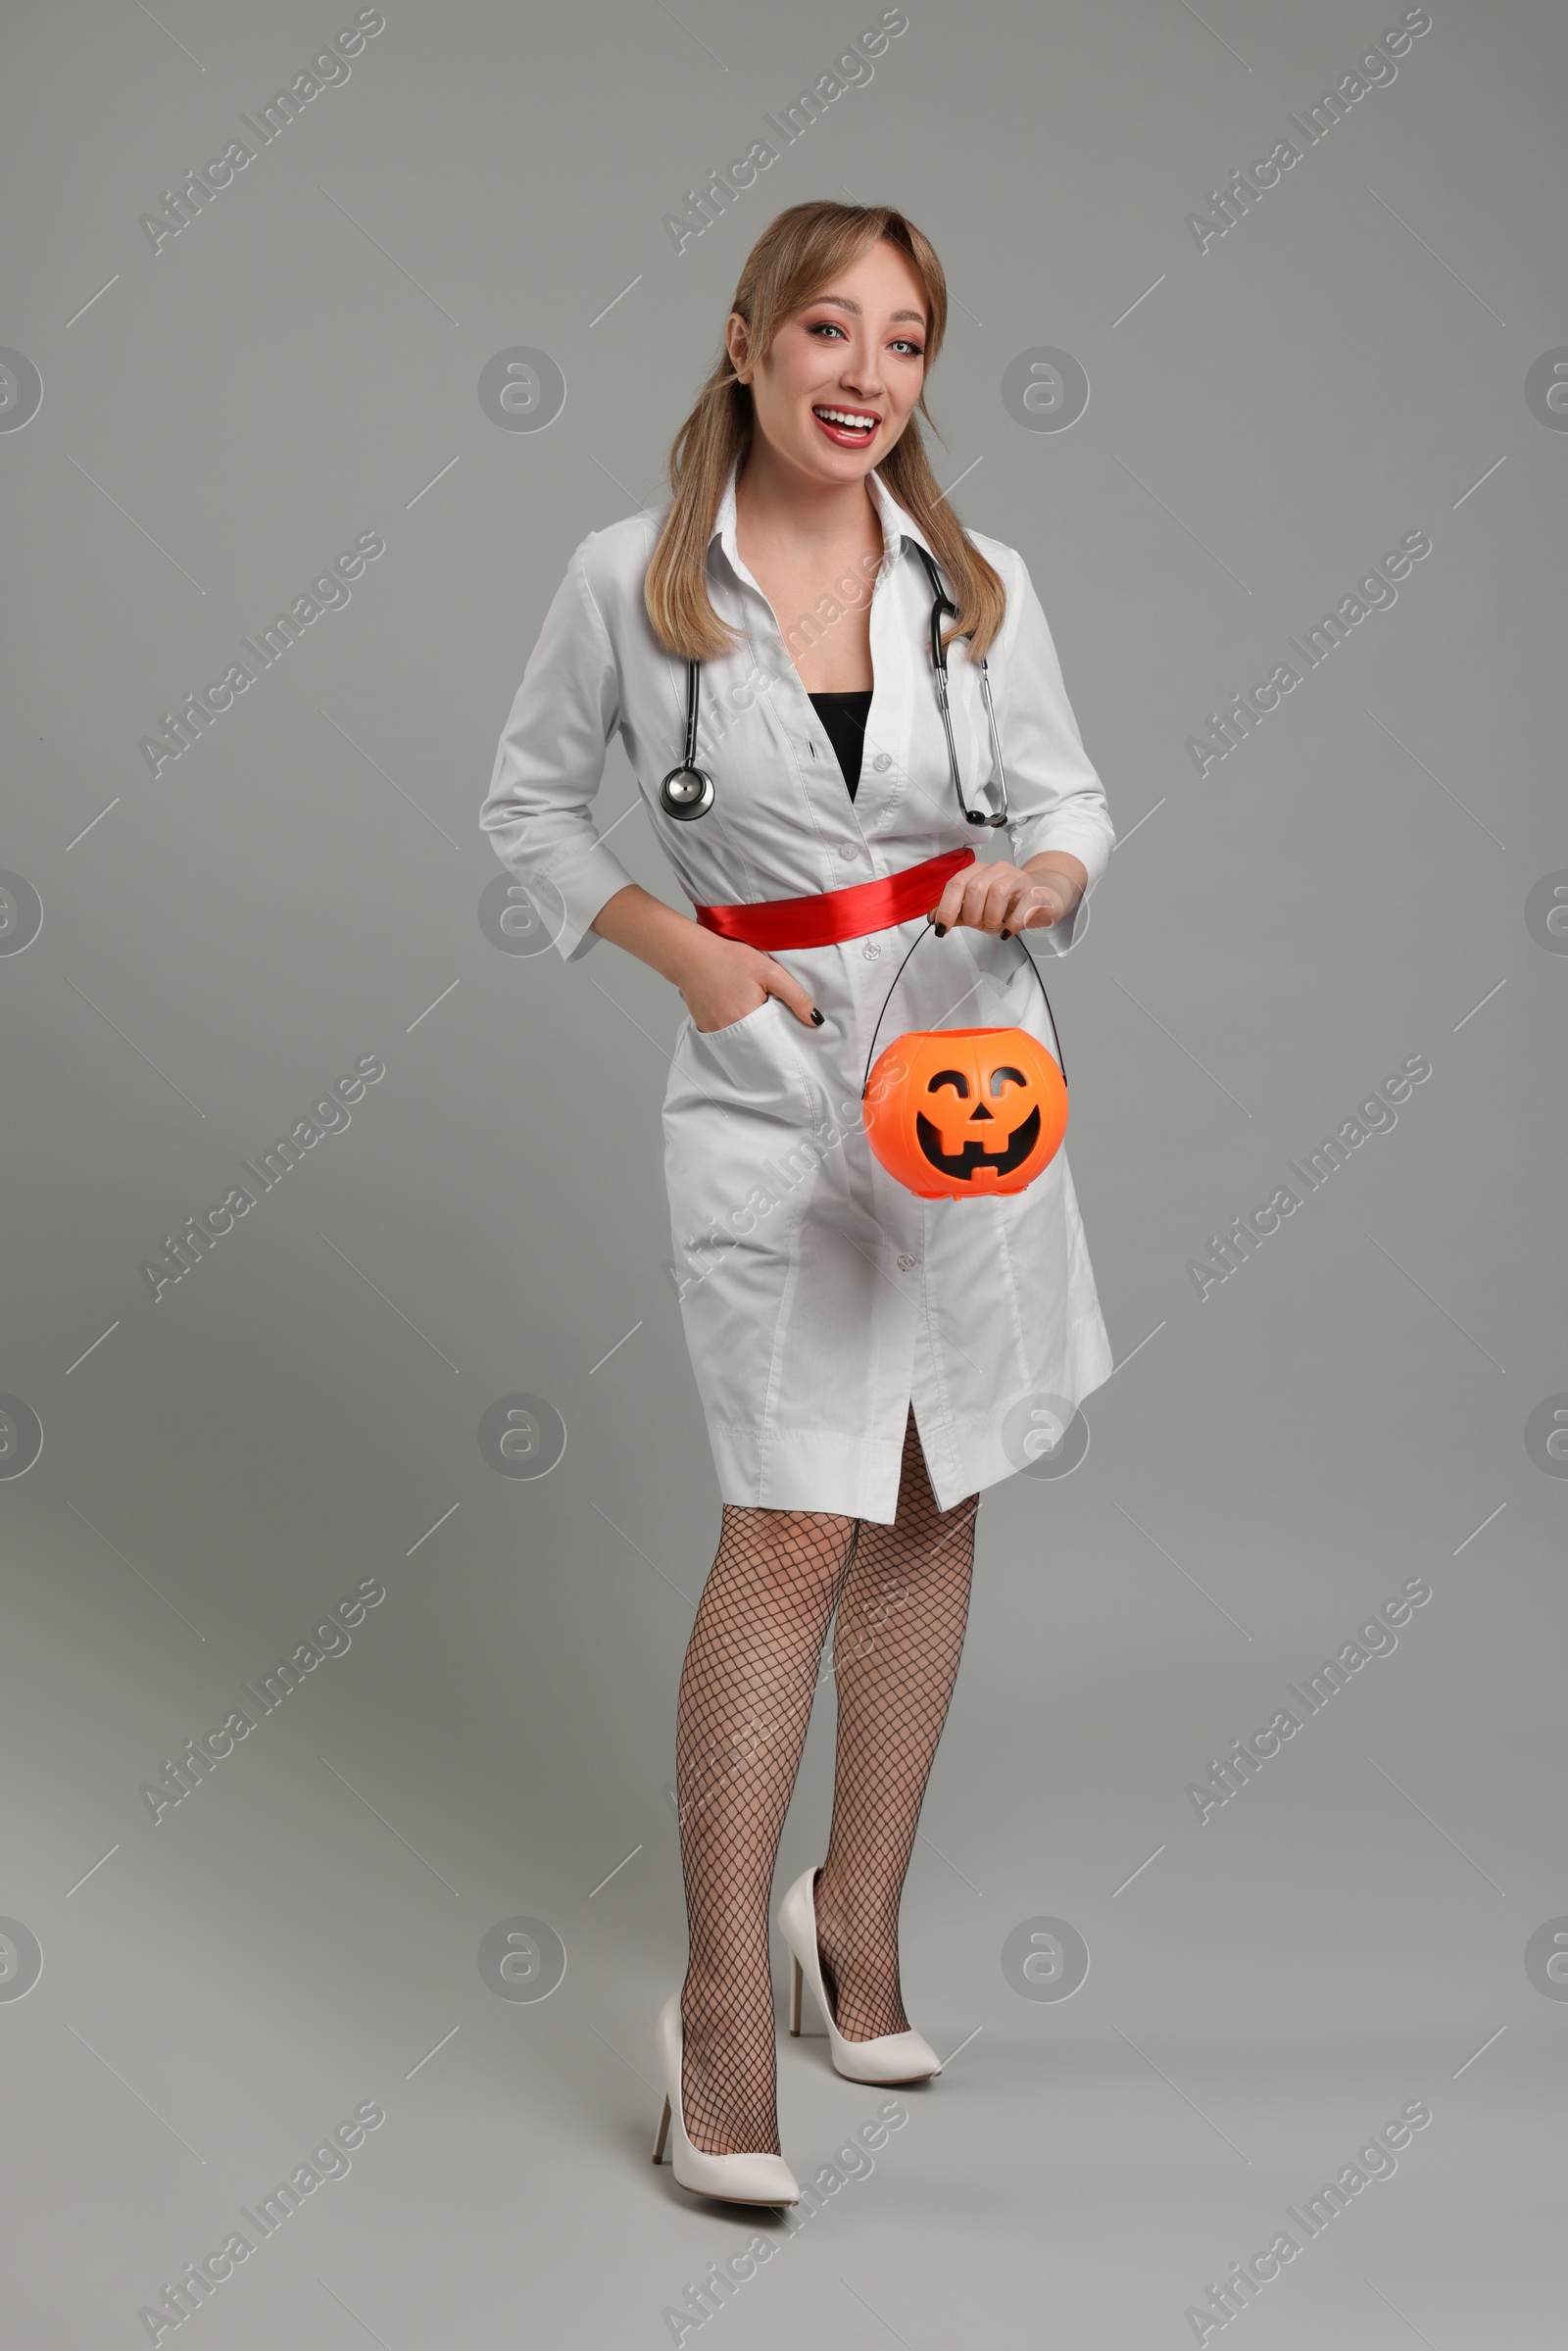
(548, 765)
(1055, 796)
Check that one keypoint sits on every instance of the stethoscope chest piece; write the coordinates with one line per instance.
(685, 793)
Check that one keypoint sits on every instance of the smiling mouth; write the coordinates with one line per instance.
(850, 428)
(973, 1158)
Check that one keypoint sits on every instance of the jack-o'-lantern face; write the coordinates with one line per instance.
(952, 1112)
(964, 1136)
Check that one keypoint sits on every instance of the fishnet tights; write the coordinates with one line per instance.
(901, 1593)
(896, 1648)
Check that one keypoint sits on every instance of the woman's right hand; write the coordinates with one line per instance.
(721, 980)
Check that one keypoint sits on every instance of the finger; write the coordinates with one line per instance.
(991, 901)
(946, 911)
(967, 897)
(787, 988)
(1016, 897)
(1038, 908)
(1015, 908)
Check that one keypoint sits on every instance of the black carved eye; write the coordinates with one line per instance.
(999, 1077)
(954, 1078)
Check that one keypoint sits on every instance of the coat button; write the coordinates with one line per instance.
(881, 761)
(906, 1264)
(849, 848)
(871, 952)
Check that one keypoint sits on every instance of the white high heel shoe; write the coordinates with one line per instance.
(758, 2179)
(893, 2056)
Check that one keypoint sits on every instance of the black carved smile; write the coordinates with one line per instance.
(973, 1157)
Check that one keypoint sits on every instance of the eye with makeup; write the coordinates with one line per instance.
(909, 350)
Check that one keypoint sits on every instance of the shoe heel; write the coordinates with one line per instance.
(663, 2133)
(795, 1995)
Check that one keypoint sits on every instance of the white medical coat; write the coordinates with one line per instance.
(819, 1297)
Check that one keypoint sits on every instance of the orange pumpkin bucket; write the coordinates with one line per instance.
(966, 1114)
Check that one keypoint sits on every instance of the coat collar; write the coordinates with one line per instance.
(897, 524)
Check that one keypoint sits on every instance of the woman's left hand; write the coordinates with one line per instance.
(1002, 898)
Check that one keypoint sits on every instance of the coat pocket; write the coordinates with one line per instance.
(730, 1026)
(752, 1064)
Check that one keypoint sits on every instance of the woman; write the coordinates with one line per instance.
(863, 1356)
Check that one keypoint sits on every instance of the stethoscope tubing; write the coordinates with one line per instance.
(687, 790)
(942, 606)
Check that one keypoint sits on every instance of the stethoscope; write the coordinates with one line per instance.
(687, 790)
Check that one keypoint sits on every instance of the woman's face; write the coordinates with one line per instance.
(858, 349)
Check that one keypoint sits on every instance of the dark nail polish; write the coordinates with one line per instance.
(942, 930)
(1004, 934)
(816, 1018)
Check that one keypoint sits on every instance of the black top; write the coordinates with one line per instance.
(844, 715)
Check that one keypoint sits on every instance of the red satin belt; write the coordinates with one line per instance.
(831, 916)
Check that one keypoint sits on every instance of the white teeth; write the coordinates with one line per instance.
(834, 416)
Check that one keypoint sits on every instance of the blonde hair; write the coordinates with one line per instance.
(798, 254)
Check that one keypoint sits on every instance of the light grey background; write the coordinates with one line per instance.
(1347, 887)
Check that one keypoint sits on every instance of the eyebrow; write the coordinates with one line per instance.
(842, 303)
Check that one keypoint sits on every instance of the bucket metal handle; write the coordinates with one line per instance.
(899, 974)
